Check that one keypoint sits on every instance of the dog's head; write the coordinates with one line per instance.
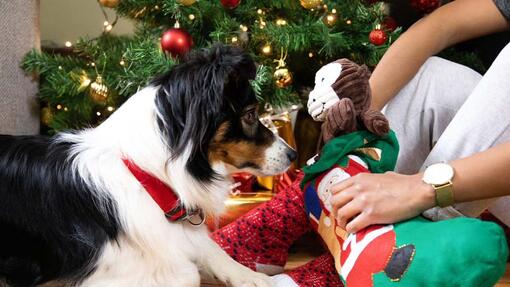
(207, 108)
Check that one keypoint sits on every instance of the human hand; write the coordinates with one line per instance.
(367, 199)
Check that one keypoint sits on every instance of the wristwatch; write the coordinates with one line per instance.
(440, 176)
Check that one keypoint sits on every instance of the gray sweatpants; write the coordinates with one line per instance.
(449, 111)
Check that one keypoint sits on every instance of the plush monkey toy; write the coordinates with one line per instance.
(341, 98)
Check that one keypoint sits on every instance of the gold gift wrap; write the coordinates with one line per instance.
(279, 124)
(237, 205)
(266, 182)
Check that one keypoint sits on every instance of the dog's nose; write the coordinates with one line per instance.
(291, 155)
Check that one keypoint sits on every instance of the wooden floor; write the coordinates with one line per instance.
(299, 259)
(505, 281)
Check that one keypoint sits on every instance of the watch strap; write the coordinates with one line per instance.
(444, 194)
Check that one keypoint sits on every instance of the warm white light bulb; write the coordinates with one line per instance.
(266, 49)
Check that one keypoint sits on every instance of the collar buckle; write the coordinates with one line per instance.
(192, 215)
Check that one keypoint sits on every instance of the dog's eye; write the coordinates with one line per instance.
(250, 117)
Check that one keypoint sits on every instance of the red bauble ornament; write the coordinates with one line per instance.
(425, 6)
(176, 41)
(230, 4)
(378, 37)
(389, 24)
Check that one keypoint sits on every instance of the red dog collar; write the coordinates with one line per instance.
(161, 193)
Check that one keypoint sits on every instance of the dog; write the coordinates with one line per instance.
(86, 207)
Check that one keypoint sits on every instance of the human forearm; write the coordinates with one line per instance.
(450, 24)
(480, 176)
(483, 175)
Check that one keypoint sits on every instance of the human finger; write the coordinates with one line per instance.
(358, 223)
(347, 212)
(342, 185)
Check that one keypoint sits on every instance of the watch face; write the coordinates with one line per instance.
(439, 173)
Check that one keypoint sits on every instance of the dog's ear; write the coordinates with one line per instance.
(237, 63)
(196, 96)
(235, 69)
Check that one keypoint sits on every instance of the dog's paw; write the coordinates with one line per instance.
(249, 279)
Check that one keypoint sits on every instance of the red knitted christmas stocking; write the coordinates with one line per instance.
(319, 272)
(261, 238)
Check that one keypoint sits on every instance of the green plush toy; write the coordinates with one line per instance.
(457, 252)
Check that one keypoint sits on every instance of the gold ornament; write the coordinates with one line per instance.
(329, 19)
(186, 2)
(311, 4)
(98, 91)
(282, 75)
(84, 81)
(109, 3)
(46, 116)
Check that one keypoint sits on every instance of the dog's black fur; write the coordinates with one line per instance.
(50, 223)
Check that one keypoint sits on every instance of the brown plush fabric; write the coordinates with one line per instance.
(341, 119)
(376, 122)
(352, 111)
(353, 84)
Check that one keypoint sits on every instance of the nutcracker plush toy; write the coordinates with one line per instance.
(417, 252)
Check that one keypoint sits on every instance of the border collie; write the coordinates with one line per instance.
(87, 208)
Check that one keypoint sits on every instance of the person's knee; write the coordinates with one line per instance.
(439, 68)
(450, 83)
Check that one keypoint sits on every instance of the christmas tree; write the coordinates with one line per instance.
(289, 39)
